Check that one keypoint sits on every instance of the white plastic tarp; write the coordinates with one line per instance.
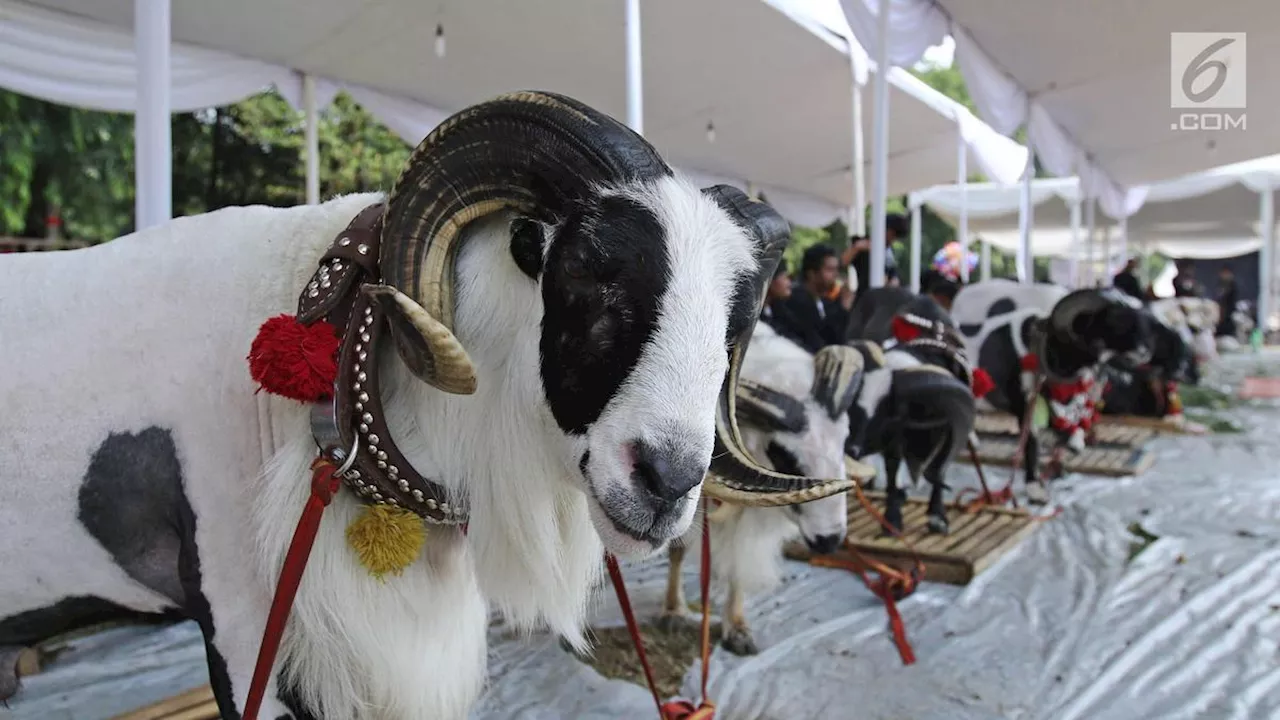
(1092, 79)
(732, 64)
(1066, 627)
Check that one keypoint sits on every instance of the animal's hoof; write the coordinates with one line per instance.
(739, 642)
(565, 646)
(14, 663)
(894, 521)
(672, 622)
(939, 525)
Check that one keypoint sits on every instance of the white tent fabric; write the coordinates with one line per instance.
(725, 62)
(1098, 110)
(1209, 214)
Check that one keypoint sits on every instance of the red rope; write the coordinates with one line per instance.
(675, 709)
(324, 483)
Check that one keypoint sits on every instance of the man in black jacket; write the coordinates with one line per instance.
(1126, 281)
(777, 315)
(819, 319)
(858, 256)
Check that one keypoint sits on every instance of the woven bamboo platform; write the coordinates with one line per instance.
(975, 542)
(996, 426)
(1004, 424)
(1105, 461)
(195, 704)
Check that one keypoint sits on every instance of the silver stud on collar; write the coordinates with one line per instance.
(362, 249)
(344, 241)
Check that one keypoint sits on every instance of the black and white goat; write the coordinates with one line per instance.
(792, 410)
(1150, 389)
(596, 299)
(1014, 330)
(916, 400)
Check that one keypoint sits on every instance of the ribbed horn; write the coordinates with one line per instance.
(535, 153)
(768, 409)
(837, 378)
(735, 475)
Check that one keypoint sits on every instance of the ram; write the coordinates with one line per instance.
(792, 410)
(1016, 332)
(916, 403)
(533, 340)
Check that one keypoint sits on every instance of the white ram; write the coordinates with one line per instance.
(563, 311)
(792, 408)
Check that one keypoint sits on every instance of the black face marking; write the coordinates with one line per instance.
(527, 242)
(129, 502)
(602, 285)
(783, 460)
(1001, 307)
(132, 502)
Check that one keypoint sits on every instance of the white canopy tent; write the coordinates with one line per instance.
(773, 83)
(1092, 80)
(1222, 212)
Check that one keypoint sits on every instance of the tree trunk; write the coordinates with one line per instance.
(33, 225)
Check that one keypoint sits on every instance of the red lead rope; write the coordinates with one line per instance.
(676, 709)
(324, 483)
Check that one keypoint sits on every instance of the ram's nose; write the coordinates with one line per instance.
(666, 473)
(824, 544)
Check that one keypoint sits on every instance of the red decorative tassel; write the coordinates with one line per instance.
(904, 330)
(293, 360)
(981, 384)
(1030, 362)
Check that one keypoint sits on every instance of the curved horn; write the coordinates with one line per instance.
(735, 476)
(769, 410)
(536, 153)
(927, 395)
(837, 377)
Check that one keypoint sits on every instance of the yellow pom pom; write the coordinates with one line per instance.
(387, 539)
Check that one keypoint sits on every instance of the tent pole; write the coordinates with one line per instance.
(1090, 222)
(312, 139)
(1124, 247)
(153, 153)
(1074, 263)
(962, 179)
(858, 169)
(916, 242)
(635, 86)
(1025, 220)
(1266, 258)
(1105, 280)
(986, 261)
(880, 141)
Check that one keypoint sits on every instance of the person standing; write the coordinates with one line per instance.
(819, 320)
(858, 255)
(777, 314)
(1184, 283)
(1228, 298)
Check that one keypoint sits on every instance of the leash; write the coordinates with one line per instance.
(675, 709)
(891, 586)
(325, 480)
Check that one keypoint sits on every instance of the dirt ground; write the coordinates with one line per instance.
(671, 653)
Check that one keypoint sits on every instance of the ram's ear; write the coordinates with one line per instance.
(769, 410)
(837, 377)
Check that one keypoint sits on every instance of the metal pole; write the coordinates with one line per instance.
(312, 139)
(916, 242)
(635, 85)
(1025, 219)
(1090, 221)
(962, 178)
(1266, 258)
(880, 159)
(858, 169)
(1074, 262)
(1124, 246)
(153, 153)
(986, 261)
(1105, 280)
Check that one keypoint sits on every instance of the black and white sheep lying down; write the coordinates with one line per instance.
(792, 410)
(915, 404)
(583, 308)
(1013, 330)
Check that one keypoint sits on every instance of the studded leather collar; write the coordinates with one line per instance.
(354, 418)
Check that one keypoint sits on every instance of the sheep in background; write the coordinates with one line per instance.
(547, 321)
(792, 411)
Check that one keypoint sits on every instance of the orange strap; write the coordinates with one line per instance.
(892, 584)
(675, 709)
(324, 483)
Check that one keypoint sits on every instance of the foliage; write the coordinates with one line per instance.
(81, 161)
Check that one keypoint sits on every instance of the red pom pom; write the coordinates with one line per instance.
(981, 384)
(1030, 362)
(293, 360)
(904, 330)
